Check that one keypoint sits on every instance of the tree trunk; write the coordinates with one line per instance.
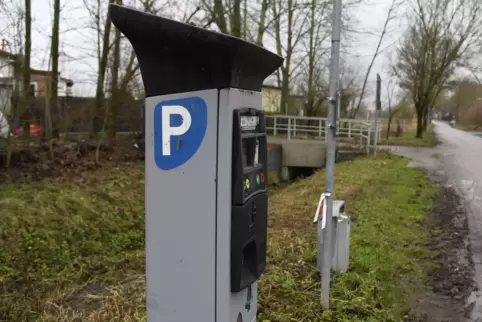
(219, 17)
(236, 19)
(54, 97)
(277, 33)
(285, 89)
(245, 20)
(419, 122)
(48, 113)
(262, 22)
(26, 65)
(389, 122)
(425, 121)
(311, 63)
(16, 94)
(286, 69)
(114, 93)
(99, 93)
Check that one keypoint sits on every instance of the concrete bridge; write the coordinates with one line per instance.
(299, 142)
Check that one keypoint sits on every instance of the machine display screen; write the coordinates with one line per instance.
(250, 151)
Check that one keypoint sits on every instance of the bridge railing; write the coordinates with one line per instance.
(315, 128)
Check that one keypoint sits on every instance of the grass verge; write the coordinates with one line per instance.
(408, 138)
(468, 127)
(74, 250)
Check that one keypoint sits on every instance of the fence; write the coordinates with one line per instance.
(367, 133)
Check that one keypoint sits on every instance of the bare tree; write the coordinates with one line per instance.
(466, 102)
(102, 66)
(351, 77)
(389, 18)
(262, 22)
(293, 30)
(226, 16)
(391, 90)
(230, 19)
(318, 33)
(441, 35)
(114, 92)
(13, 13)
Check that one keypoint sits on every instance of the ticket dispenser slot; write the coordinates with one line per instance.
(249, 198)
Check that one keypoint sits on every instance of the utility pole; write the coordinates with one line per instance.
(330, 153)
(378, 108)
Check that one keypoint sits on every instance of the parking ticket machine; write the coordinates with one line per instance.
(206, 168)
(249, 198)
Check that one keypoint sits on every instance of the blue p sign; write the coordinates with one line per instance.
(179, 129)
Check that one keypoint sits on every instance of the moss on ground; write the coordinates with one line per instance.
(74, 250)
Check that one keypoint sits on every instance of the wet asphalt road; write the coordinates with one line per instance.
(462, 162)
(458, 160)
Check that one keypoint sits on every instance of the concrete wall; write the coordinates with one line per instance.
(274, 158)
(274, 163)
(300, 153)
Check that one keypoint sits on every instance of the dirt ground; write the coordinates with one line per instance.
(32, 161)
(451, 283)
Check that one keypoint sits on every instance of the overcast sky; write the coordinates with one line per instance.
(78, 47)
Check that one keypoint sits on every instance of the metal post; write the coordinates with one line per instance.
(338, 109)
(289, 128)
(361, 135)
(326, 130)
(375, 139)
(274, 131)
(378, 108)
(294, 126)
(379, 94)
(330, 154)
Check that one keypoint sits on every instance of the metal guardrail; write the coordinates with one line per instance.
(315, 128)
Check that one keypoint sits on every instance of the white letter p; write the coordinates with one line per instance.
(168, 131)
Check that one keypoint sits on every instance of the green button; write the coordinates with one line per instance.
(257, 179)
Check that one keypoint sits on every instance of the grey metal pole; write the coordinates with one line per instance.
(378, 108)
(330, 154)
(379, 94)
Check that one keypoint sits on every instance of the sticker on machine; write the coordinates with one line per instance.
(179, 129)
(249, 123)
